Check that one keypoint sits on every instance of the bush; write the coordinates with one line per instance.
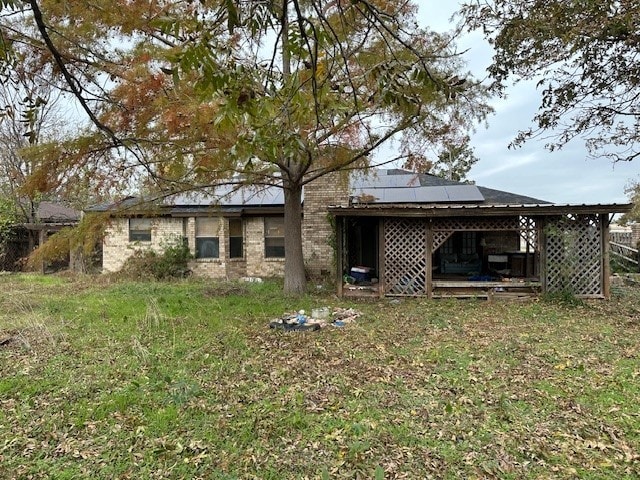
(173, 262)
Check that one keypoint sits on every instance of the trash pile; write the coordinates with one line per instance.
(319, 318)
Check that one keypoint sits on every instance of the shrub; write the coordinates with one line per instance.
(173, 262)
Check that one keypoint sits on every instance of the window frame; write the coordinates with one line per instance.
(140, 234)
(231, 237)
(269, 249)
(206, 238)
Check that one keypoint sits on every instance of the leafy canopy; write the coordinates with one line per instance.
(633, 193)
(191, 93)
(187, 96)
(583, 53)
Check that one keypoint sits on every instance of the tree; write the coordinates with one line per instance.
(633, 193)
(28, 116)
(196, 95)
(452, 158)
(584, 55)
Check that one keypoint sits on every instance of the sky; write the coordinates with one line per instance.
(567, 176)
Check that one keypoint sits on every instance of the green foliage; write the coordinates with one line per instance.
(82, 239)
(565, 297)
(8, 219)
(187, 379)
(144, 264)
(633, 193)
(583, 54)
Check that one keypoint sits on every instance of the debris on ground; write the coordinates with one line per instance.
(319, 318)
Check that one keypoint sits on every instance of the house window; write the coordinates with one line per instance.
(236, 238)
(468, 242)
(207, 241)
(139, 229)
(274, 237)
(460, 242)
(447, 247)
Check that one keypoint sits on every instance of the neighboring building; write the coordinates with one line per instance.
(49, 218)
(386, 232)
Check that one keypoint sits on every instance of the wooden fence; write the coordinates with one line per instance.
(625, 254)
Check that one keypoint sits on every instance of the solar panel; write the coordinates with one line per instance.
(225, 196)
(437, 194)
(464, 193)
(382, 180)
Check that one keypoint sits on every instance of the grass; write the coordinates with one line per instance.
(105, 380)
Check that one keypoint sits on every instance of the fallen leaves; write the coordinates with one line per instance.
(409, 390)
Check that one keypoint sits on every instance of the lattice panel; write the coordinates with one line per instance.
(528, 232)
(405, 262)
(439, 237)
(574, 255)
(476, 224)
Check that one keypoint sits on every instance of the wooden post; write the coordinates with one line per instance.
(542, 248)
(381, 258)
(429, 259)
(605, 262)
(339, 249)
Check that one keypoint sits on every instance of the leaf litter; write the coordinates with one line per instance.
(414, 389)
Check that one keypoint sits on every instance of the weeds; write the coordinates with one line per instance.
(185, 380)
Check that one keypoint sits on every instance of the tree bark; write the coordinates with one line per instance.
(294, 275)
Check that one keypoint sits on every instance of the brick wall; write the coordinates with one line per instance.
(208, 267)
(117, 248)
(317, 231)
(257, 264)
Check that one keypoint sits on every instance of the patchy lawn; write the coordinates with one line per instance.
(155, 380)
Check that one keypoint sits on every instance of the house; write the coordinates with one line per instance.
(384, 233)
(48, 218)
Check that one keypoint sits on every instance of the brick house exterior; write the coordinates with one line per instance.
(174, 222)
(392, 232)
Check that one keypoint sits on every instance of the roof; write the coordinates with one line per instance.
(378, 186)
(441, 197)
(51, 212)
(464, 210)
(371, 192)
(231, 199)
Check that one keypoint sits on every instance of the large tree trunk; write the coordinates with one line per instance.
(294, 274)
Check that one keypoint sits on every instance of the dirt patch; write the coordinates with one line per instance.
(225, 290)
(24, 339)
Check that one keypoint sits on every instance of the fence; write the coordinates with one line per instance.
(623, 238)
(625, 255)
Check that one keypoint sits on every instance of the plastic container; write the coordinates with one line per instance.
(320, 313)
(361, 274)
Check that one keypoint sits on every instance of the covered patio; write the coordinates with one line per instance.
(473, 250)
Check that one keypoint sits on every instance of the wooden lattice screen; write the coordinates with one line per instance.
(443, 228)
(405, 259)
(574, 255)
(528, 232)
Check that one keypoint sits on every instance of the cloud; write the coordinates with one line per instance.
(563, 176)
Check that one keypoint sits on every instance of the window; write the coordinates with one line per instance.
(236, 242)
(139, 229)
(448, 247)
(468, 242)
(460, 242)
(274, 237)
(207, 241)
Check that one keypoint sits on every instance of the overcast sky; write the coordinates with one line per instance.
(565, 176)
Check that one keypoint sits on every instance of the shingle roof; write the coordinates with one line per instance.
(408, 187)
(375, 186)
(51, 212)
